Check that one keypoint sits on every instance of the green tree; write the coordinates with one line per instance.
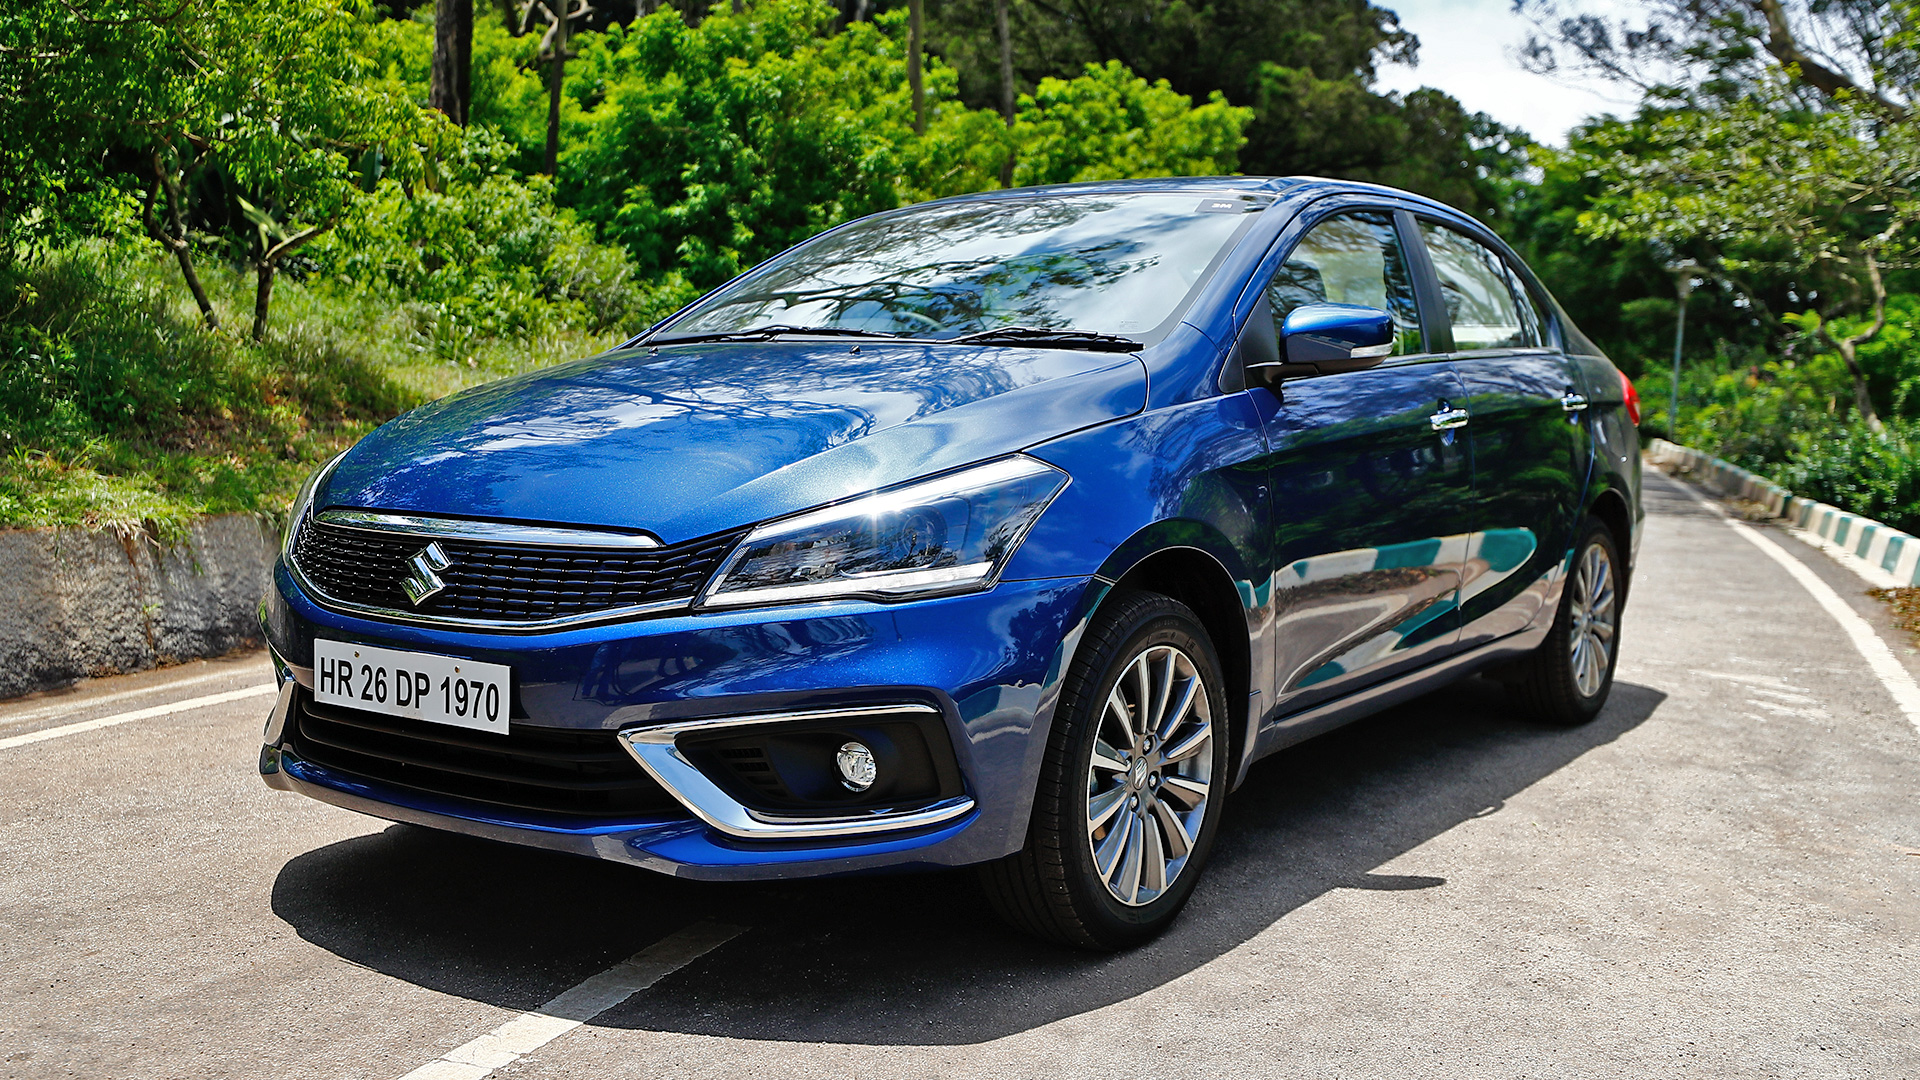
(705, 149)
(1307, 69)
(269, 99)
(1110, 123)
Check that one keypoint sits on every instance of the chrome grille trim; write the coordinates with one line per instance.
(485, 531)
(464, 531)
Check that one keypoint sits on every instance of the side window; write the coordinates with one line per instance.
(1531, 320)
(1488, 308)
(1351, 259)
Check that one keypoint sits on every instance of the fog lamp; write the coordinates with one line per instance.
(857, 767)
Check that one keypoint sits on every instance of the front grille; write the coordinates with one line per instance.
(503, 582)
(550, 770)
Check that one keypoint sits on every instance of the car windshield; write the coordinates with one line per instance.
(1120, 264)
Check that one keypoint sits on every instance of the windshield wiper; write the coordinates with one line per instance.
(767, 333)
(1034, 335)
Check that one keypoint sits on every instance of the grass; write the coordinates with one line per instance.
(118, 410)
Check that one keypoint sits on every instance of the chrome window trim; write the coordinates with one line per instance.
(658, 752)
(490, 532)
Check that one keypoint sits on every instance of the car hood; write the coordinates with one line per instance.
(698, 439)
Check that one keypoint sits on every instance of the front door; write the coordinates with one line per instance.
(1370, 482)
(1528, 433)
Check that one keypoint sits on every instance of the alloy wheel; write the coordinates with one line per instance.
(1151, 774)
(1590, 644)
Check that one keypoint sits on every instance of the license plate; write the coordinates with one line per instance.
(422, 686)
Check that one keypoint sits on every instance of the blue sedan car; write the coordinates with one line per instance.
(1005, 531)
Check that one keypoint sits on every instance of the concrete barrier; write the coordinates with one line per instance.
(1877, 543)
(76, 603)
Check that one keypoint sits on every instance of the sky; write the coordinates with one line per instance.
(1467, 48)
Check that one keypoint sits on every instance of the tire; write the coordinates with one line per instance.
(1567, 679)
(1161, 788)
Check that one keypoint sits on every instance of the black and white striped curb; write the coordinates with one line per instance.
(1882, 554)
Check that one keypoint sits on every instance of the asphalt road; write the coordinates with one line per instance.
(1718, 877)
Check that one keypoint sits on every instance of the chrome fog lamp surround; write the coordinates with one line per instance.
(656, 750)
(948, 534)
(858, 769)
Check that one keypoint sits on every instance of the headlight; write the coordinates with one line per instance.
(952, 533)
(300, 503)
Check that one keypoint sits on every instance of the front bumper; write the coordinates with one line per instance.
(989, 664)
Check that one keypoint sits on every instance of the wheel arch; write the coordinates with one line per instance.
(1610, 507)
(1198, 579)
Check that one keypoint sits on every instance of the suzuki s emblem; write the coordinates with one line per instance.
(425, 579)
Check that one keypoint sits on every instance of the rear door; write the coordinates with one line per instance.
(1370, 482)
(1527, 429)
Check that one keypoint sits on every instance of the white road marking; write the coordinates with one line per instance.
(1872, 649)
(1782, 695)
(138, 714)
(77, 704)
(1751, 680)
(1786, 710)
(530, 1031)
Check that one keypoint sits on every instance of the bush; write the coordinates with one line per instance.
(1750, 411)
(1110, 124)
(1874, 475)
(488, 251)
(118, 409)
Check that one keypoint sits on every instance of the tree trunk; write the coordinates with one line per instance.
(556, 84)
(262, 297)
(1848, 347)
(914, 11)
(1862, 400)
(451, 89)
(267, 266)
(174, 236)
(1006, 82)
(185, 254)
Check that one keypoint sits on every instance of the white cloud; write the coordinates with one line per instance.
(1467, 48)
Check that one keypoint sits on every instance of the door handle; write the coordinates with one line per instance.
(1573, 402)
(1449, 418)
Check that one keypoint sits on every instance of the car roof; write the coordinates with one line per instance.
(1294, 188)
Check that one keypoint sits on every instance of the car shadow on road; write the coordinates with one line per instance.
(918, 958)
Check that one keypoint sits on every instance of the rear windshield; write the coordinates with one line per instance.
(1120, 264)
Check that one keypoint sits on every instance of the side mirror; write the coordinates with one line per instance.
(1324, 339)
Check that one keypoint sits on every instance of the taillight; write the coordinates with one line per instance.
(1633, 399)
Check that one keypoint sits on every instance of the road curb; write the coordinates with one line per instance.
(78, 603)
(1895, 555)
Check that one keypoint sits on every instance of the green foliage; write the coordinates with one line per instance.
(1789, 419)
(704, 150)
(1750, 410)
(1874, 474)
(719, 145)
(1770, 186)
(488, 252)
(1891, 358)
(1110, 123)
(1616, 286)
(116, 409)
(1305, 67)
